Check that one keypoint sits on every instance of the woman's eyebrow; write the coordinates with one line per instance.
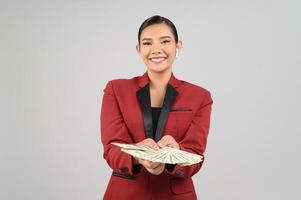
(163, 37)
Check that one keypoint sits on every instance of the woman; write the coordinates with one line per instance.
(157, 110)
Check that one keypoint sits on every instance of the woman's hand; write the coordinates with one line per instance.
(149, 142)
(152, 167)
(168, 140)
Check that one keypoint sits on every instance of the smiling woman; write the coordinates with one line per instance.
(157, 110)
(158, 45)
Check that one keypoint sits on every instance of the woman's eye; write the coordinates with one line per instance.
(149, 43)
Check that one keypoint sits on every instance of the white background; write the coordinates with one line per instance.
(57, 56)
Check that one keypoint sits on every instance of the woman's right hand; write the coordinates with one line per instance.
(155, 168)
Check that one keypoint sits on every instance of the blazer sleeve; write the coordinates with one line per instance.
(113, 129)
(195, 139)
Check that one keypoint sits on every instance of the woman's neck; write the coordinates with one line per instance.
(159, 80)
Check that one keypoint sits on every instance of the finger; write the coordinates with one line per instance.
(158, 166)
(157, 170)
(153, 144)
(140, 160)
(150, 164)
(150, 143)
(154, 165)
(164, 142)
(147, 164)
(172, 144)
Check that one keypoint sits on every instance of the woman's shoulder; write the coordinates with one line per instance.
(132, 82)
(194, 87)
(194, 91)
(122, 83)
(122, 80)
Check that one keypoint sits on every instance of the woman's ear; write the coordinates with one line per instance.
(179, 45)
(137, 49)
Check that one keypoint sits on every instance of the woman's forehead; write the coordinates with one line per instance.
(157, 31)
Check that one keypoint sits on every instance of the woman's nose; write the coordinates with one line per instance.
(157, 47)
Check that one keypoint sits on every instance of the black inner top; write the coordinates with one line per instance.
(155, 117)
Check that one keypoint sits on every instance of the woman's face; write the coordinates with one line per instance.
(158, 47)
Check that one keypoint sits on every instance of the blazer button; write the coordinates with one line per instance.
(124, 169)
(179, 172)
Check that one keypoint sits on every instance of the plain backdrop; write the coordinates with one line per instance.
(57, 56)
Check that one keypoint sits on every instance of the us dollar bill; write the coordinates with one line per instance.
(166, 155)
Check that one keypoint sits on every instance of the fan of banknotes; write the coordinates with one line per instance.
(166, 155)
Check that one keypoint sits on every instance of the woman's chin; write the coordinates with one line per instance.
(157, 69)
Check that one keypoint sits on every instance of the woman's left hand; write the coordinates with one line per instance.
(168, 140)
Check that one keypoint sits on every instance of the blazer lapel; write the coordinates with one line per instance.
(143, 96)
(145, 105)
(170, 97)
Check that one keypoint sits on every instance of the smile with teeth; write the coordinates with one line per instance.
(157, 60)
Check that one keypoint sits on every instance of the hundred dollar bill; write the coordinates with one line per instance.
(166, 155)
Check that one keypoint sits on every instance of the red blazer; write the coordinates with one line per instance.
(126, 118)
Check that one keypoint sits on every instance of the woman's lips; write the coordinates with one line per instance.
(158, 60)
